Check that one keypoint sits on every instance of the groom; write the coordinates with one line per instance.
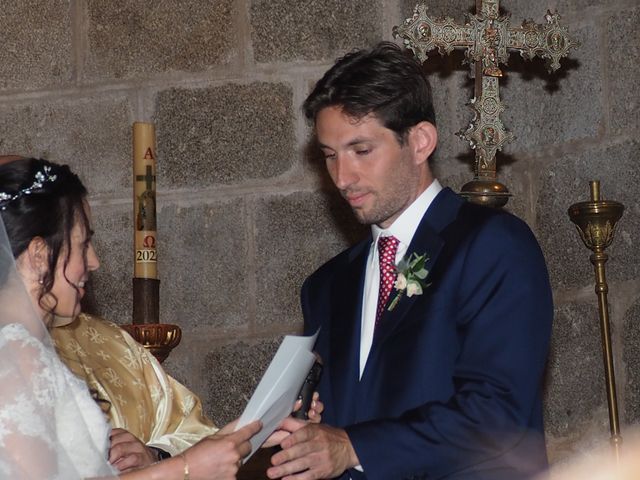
(435, 330)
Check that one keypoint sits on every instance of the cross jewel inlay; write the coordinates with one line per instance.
(487, 39)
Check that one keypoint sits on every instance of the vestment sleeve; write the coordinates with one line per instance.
(179, 420)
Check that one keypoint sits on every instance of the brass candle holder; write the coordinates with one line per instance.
(158, 338)
(596, 222)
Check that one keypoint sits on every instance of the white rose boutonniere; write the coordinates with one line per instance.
(411, 277)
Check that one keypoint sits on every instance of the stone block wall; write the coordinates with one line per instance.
(245, 214)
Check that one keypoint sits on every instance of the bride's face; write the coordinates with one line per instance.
(75, 263)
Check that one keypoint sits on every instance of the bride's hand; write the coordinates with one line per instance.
(220, 455)
(288, 427)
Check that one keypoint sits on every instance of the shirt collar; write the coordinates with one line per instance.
(405, 226)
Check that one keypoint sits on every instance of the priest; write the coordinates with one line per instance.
(153, 416)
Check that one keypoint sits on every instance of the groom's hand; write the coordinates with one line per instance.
(315, 451)
(128, 452)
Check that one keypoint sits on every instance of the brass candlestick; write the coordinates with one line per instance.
(596, 223)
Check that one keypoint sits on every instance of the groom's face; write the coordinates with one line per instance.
(375, 174)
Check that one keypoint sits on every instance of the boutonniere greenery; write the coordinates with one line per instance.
(411, 277)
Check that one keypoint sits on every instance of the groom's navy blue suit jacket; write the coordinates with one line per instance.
(452, 385)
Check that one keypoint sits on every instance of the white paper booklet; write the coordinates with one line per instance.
(275, 395)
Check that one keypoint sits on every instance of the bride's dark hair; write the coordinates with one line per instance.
(48, 209)
(42, 199)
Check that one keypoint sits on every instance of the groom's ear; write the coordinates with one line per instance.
(423, 138)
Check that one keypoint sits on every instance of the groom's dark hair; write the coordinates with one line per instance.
(385, 81)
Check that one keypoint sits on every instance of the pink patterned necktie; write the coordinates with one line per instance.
(387, 248)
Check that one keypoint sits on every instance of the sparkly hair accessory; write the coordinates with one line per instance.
(41, 177)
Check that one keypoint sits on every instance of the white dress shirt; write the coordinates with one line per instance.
(403, 229)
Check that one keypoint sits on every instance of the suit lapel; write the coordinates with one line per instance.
(426, 241)
(430, 246)
(346, 313)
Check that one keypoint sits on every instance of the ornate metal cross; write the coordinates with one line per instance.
(487, 39)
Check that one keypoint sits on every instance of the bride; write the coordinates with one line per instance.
(50, 426)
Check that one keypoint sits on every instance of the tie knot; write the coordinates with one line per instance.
(387, 248)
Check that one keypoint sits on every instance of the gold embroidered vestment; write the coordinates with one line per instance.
(143, 399)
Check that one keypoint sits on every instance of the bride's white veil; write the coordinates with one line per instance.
(37, 394)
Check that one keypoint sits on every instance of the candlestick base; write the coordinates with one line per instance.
(158, 338)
